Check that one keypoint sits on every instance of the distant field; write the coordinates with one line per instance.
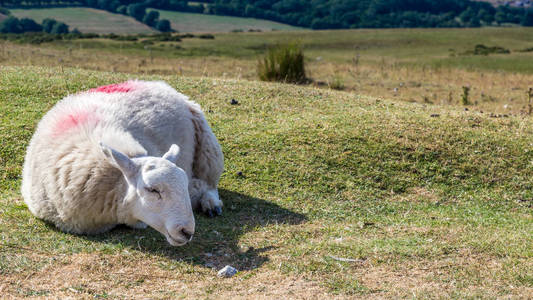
(414, 65)
(86, 19)
(189, 22)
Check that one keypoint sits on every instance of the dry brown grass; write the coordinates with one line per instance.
(131, 276)
(134, 275)
(491, 91)
(500, 93)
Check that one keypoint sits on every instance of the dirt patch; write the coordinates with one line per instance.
(93, 275)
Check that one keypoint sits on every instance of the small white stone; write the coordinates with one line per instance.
(227, 271)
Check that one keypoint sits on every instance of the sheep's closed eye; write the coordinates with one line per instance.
(154, 191)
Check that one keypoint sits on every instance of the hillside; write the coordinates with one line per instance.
(86, 19)
(194, 22)
(327, 14)
(2, 17)
(326, 194)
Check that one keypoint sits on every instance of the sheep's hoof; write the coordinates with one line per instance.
(218, 210)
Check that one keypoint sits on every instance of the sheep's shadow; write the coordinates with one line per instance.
(216, 240)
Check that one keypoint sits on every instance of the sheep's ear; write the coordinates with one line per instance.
(172, 153)
(121, 161)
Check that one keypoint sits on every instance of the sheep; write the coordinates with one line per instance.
(110, 156)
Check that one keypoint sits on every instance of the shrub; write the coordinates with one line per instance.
(206, 36)
(464, 97)
(163, 25)
(336, 83)
(283, 63)
(481, 49)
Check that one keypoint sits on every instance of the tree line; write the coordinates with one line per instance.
(318, 14)
(337, 14)
(14, 25)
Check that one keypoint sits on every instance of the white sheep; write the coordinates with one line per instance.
(108, 156)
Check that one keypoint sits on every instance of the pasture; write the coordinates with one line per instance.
(191, 22)
(387, 189)
(86, 19)
(416, 65)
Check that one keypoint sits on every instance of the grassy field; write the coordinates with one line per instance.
(423, 201)
(391, 188)
(415, 65)
(189, 22)
(86, 19)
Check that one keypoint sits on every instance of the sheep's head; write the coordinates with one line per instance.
(158, 193)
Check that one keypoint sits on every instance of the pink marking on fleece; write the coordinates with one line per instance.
(124, 87)
(74, 120)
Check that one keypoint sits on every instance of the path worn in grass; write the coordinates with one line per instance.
(422, 206)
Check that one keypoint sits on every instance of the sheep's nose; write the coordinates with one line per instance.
(187, 234)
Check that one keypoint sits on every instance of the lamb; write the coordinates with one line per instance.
(110, 156)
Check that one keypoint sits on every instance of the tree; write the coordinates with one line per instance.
(123, 9)
(527, 20)
(29, 25)
(163, 26)
(137, 11)
(4, 11)
(48, 24)
(150, 18)
(10, 25)
(59, 28)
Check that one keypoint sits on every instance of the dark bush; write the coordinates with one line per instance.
(137, 11)
(48, 24)
(123, 9)
(481, 49)
(29, 25)
(163, 26)
(11, 25)
(283, 63)
(206, 36)
(59, 28)
(150, 18)
(5, 11)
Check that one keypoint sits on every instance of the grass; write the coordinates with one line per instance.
(414, 65)
(191, 22)
(86, 19)
(435, 194)
(283, 63)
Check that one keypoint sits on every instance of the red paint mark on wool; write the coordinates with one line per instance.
(74, 120)
(124, 87)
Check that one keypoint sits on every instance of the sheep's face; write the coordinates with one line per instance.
(158, 193)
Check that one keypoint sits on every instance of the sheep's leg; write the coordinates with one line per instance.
(204, 198)
(207, 167)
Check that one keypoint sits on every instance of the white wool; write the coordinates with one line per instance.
(68, 180)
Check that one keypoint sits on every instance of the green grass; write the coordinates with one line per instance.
(86, 19)
(445, 201)
(191, 22)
